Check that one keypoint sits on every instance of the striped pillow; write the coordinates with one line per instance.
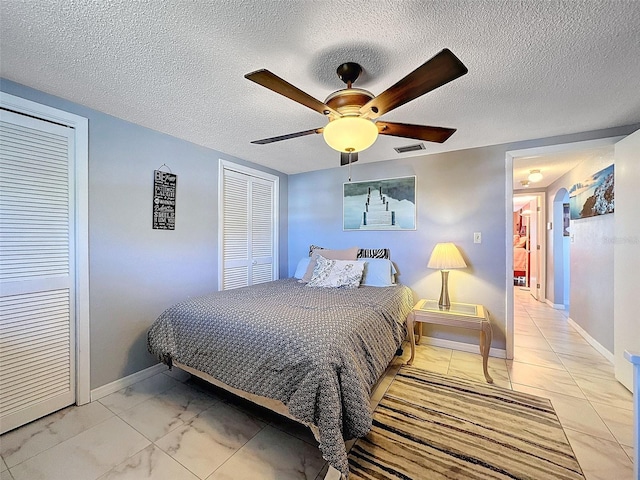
(363, 252)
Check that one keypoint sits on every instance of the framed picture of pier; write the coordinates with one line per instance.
(388, 204)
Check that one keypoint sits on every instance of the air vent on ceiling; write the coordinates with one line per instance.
(410, 148)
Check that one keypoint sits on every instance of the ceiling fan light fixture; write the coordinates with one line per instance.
(535, 176)
(350, 134)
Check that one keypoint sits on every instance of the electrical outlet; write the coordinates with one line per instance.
(477, 237)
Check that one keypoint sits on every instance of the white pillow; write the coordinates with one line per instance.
(346, 254)
(336, 273)
(302, 267)
(379, 272)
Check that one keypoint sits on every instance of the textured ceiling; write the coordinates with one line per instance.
(536, 68)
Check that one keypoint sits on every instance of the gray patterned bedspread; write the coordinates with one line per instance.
(317, 350)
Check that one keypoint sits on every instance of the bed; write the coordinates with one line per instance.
(520, 257)
(315, 352)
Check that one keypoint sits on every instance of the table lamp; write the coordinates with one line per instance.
(444, 257)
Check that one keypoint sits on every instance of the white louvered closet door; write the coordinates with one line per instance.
(37, 297)
(248, 230)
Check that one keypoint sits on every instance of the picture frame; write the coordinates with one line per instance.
(566, 220)
(387, 204)
(594, 195)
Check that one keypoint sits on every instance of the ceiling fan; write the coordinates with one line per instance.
(352, 112)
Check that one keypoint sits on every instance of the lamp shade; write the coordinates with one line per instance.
(535, 176)
(446, 256)
(350, 134)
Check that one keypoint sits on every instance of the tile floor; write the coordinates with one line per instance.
(173, 427)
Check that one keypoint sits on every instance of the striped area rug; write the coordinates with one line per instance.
(428, 426)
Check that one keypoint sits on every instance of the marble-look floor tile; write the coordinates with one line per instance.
(629, 451)
(177, 374)
(600, 459)
(6, 475)
(432, 359)
(137, 393)
(152, 464)
(293, 428)
(593, 366)
(576, 349)
(272, 455)
(531, 341)
(209, 439)
(86, 456)
(526, 329)
(605, 391)
(533, 356)
(575, 413)
(469, 365)
(157, 416)
(35, 437)
(544, 378)
(619, 421)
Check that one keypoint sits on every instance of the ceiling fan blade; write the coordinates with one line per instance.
(420, 132)
(264, 141)
(347, 158)
(435, 72)
(278, 85)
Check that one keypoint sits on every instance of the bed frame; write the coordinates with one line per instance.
(278, 407)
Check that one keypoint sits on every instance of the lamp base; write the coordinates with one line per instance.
(444, 302)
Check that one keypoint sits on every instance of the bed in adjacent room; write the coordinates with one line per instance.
(520, 258)
(316, 351)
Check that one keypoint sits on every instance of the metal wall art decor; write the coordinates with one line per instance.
(593, 196)
(388, 204)
(164, 200)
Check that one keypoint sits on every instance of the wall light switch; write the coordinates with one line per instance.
(477, 237)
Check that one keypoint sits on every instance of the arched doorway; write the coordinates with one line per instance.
(561, 249)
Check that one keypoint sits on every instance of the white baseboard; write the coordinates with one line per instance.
(592, 341)
(464, 347)
(557, 306)
(121, 383)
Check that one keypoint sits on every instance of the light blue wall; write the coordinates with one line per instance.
(458, 193)
(136, 272)
(591, 270)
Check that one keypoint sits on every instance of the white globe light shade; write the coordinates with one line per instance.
(350, 134)
(535, 176)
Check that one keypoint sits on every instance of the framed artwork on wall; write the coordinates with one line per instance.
(388, 204)
(565, 219)
(593, 196)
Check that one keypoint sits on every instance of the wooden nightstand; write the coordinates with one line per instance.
(464, 315)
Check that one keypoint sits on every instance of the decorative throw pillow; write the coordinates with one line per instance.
(362, 253)
(336, 273)
(346, 254)
(378, 272)
(301, 269)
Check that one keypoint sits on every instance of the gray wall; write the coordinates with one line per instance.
(458, 193)
(591, 260)
(136, 272)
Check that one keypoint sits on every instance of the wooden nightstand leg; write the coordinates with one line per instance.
(485, 346)
(412, 340)
(419, 333)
